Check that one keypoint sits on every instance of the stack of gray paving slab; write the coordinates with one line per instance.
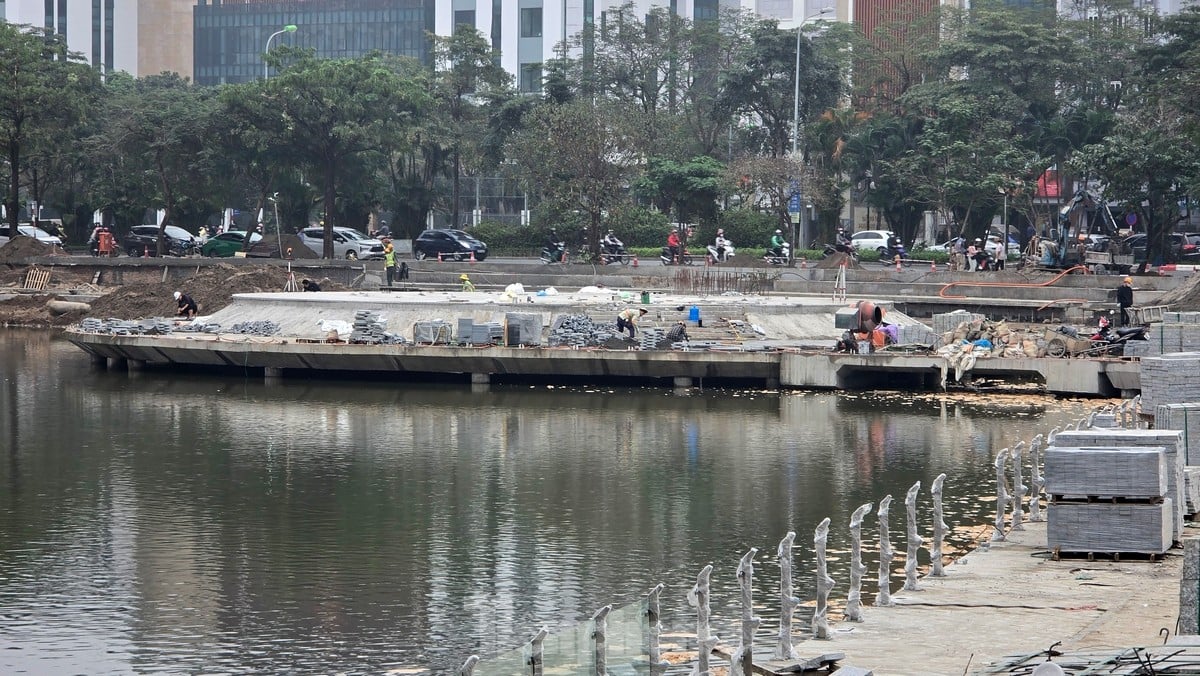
(1108, 499)
(1171, 443)
(522, 328)
(256, 328)
(1181, 317)
(371, 329)
(948, 321)
(1169, 378)
(435, 332)
(1185, 418)
(1168, 337)
(915, 334)
(649, 339)
(466, 327)
(484, 334)
(580, 331)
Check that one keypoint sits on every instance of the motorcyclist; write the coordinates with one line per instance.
(893, 244)
(777, 243)
(555, 245)
(843, 242)
(720, 244)
(673, 244)
(612, 245)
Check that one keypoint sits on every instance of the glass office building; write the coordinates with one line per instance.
(231, 35)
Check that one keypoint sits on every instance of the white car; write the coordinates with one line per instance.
(871, 240)
(29, 231)
(348, 243)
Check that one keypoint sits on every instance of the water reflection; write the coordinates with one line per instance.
(185, 522)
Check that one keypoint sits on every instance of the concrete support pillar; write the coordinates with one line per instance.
(481, 378)
(272, 373)
(772, 383)
(681, 382)
(136, 364)
(99, 361)
(116, 363)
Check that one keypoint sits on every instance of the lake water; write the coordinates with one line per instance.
(188, 522)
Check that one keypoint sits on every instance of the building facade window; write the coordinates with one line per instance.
(531, 22)
(62, 18)
(109, 42)
(497, 33)
(464, 17)
(229, 38)
(531, 78)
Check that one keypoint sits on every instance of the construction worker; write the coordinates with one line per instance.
(389, 260)
(466, 283)
(627, 319)
(186, 306)
(1125, 299)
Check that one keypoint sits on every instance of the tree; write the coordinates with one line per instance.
(156, 128)
(334, 111)
(465, 70)
(689, 188)
(579, 159)
(45, 91)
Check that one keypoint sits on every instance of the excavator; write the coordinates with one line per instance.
(1070, 242)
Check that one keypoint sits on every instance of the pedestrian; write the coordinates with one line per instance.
(384, 230)
(960, 254)
(972, 252)
(203, 235)
(186, 306)
(1125, 299)
(389, 260)
(627, 319)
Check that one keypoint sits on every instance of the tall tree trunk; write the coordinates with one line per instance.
(330, 195)
(14, 187)
(168, 206)
(454, 211)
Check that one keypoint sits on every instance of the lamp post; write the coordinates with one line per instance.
(796, 96)
(290, 28)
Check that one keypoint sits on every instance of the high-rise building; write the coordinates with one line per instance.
(141, 37)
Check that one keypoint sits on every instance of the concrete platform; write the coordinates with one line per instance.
(756, 340)
(1009, 598)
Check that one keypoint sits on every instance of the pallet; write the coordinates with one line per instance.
(1058, 555)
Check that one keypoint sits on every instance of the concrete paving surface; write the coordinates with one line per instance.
(1009, 598)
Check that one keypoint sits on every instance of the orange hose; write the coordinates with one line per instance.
(1014, 285)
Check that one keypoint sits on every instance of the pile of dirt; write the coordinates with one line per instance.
(212, 288)
(30, 310)
(1184, 298)
(19, 248)
(832, 261)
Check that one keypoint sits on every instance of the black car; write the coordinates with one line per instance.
(142, 240)
(449, 244)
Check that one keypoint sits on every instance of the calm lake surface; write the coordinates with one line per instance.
(189, 522)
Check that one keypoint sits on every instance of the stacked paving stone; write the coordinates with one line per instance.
(1169, 378)
(522, 328)
(1168, 337)
(1186, 419)
(1172, 445)
(370, 329)
(948, 321)
(256, 328)
(470, 333)
(649, 339)
(128, 327)
(915, 334)
(435, 332)
(1108, 499)
(580, 331)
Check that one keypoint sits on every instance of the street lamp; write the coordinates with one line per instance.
(796, 97)
(290, 28)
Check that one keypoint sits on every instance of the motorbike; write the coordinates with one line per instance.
(1105, 341)
(781, 258)
(828, 250)
(668, 258)
(617, 255)
(984, 261)
(557, 255)
(725, 254)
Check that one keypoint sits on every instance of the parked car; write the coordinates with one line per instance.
(29, 231)
(1180, 247)
(871, 240)
(454, 244)
(348, 243)
(227, 244)
(143, 240)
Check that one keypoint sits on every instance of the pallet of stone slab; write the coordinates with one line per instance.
(1126, 472)
(1191, 490)
(1169, 378)
(1110, 528)
(1171, 441)
(1185, 418)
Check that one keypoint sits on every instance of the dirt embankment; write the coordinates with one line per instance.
(1184, 298)
(18, 249)
(142, 294)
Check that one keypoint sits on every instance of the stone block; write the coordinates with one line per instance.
(1129, 472)
(1105, 527)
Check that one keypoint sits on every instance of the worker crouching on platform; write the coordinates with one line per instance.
(627, 319)
(186, 306)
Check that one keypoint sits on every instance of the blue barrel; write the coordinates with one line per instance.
(694, 314)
